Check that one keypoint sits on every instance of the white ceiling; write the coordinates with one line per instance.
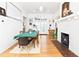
(33, 7)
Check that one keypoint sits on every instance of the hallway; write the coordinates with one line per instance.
(47, 49)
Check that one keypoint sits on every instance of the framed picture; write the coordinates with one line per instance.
(65, 9)
(2, 11)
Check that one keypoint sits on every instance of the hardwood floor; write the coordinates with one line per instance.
(63, 50)
(48, 49)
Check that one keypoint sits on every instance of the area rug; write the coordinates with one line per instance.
(25, 50)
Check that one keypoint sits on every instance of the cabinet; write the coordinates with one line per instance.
(51, 34)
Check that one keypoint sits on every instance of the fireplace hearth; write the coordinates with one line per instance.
(65, 39)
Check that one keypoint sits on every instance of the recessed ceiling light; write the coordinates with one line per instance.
(41, 8)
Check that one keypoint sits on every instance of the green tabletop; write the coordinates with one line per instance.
(30, 34)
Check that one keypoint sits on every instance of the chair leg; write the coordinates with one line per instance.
(33, 43)
(19, 46)
(37, 41)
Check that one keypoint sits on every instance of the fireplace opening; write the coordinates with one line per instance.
(65, 40)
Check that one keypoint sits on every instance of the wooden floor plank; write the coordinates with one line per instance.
(49, 51)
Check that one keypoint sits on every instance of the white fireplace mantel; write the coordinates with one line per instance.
(70, 25)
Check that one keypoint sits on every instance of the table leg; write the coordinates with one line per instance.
(34, 42)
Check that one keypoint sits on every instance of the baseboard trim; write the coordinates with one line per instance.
(10, 48)
(43, 34)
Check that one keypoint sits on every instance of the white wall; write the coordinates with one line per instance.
(74, 7)
(3, 4)
(8, 29)
(70, 26)
(13, 11)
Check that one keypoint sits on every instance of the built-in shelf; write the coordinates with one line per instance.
(74, 16)
(12, 18)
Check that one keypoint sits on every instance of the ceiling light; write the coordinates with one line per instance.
(41, 8)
